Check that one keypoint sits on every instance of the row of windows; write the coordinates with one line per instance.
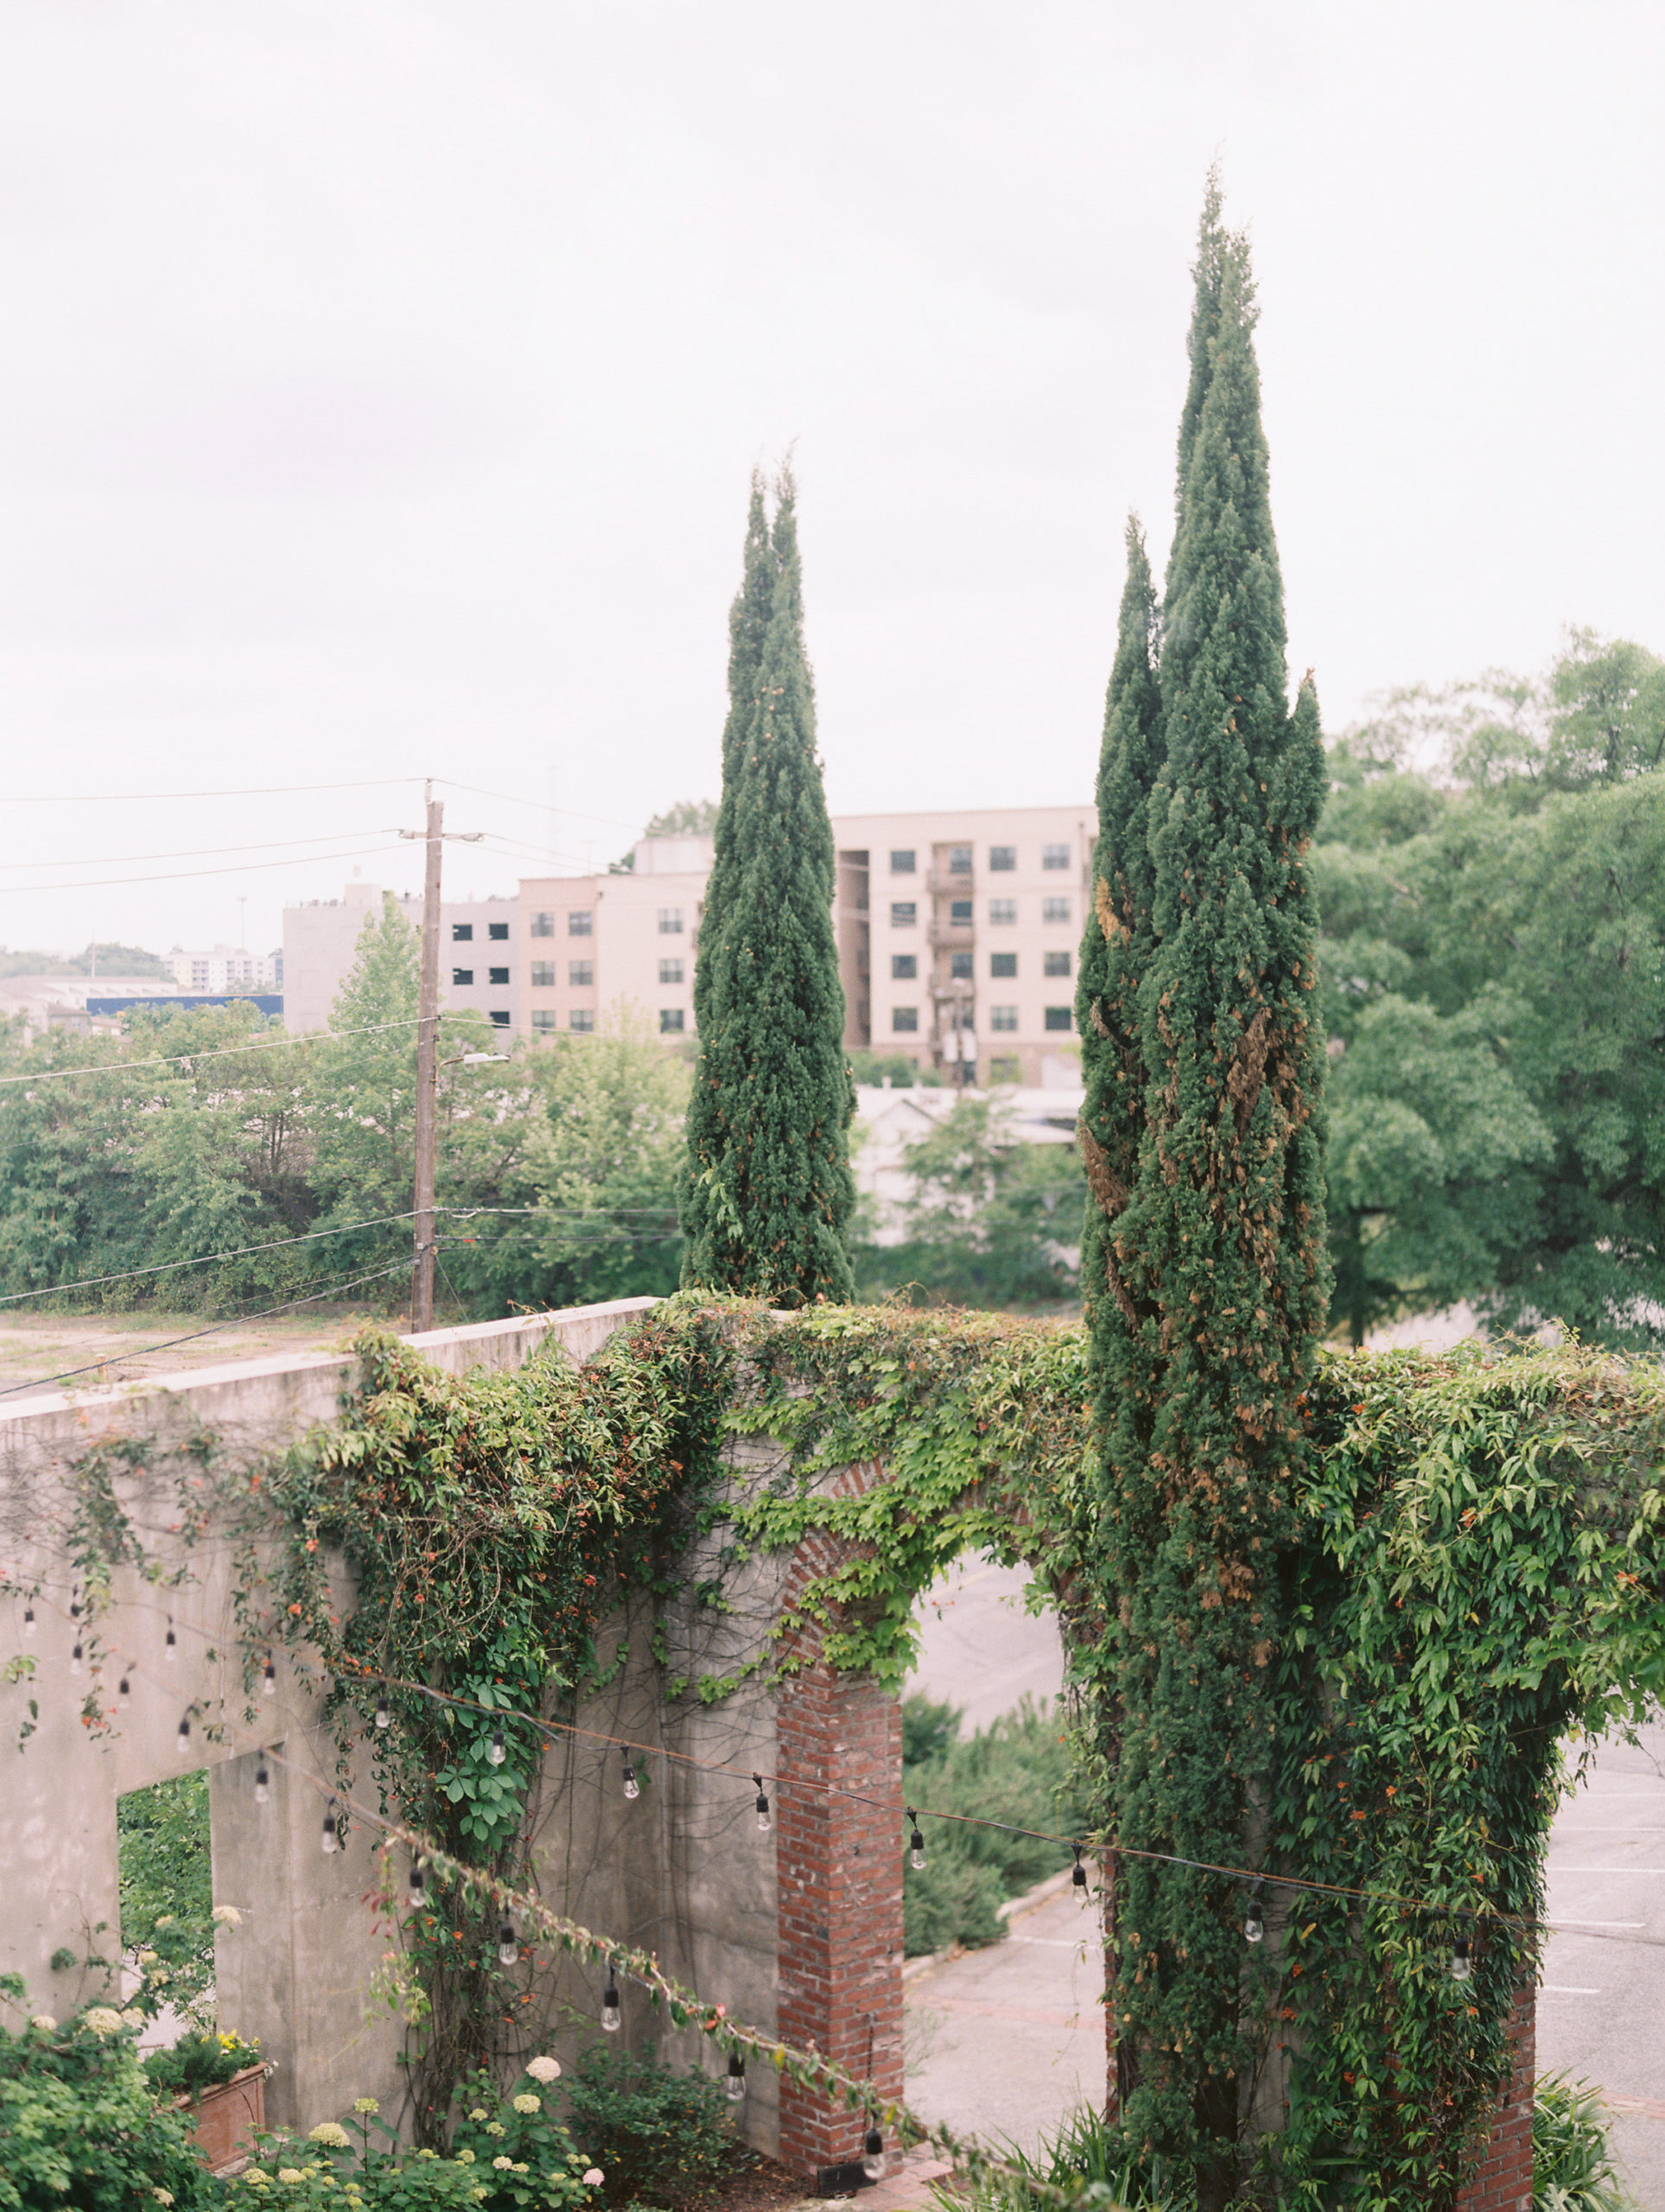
(1002, 912)
(463, 932)
(580, 1021)
(581, 922)
(905, 1019)
(1002, 859)
(1002, 966)
(580, 974)
(463, 977)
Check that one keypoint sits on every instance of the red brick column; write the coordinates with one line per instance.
(839, 1864)
(1502, 2180)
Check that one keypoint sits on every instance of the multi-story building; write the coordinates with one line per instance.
(226, 968)
(957, 935)
(957, 930)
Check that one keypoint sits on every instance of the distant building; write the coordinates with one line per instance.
(958, 932)
(226, 968)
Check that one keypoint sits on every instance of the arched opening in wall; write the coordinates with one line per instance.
(166, 1937)
(1003, 2022)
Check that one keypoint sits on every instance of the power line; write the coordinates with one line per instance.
(186, 875)
(239, 790)
(542, 805)
(200, 852)
(203, 1260)
(208, 1053)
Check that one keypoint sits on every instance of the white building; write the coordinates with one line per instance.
(480, 965)
(226, 968)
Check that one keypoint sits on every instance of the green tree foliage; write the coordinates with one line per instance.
(166, 1889)
(987, 1221)
(767, 1195)
(1206, 1284)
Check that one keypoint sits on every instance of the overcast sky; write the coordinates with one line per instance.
(381, 383)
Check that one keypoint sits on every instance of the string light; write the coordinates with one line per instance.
(184, 1735)
(1461, 1964)
(29, 1623)
(873, 2152)
(508, 1944)
(916, 1844)
(1078, 1873)
(413, 1893)
(765, 1822)
(170, 1641)
(736, 2084)
(125, 1687)
(496, 1754)
(268, 1682)
(1253, 1924)
(330, 1841)
(262, 1782)
(611, 2018)
(75, 1602)
(384, 1717)
(632, 1788)
(75, 1661)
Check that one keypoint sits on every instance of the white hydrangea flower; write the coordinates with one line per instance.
(331, 2134)
(365, 2104)
(163, 2196)
(102, 2020)
(544, 2069)
(494, 2127)
(226, 1915)
(526, 2102)
(164, 1920)
(149, 1958)
(131, 2017)
(594, 2176)
(290, 2173)
(478, 2113)
(503, 2166)
(45, 2021)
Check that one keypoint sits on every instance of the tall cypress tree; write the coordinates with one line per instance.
(767, 1192)
(1203, 1328)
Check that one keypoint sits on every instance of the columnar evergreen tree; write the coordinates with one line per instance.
(767, 1194)
(1204, 1155)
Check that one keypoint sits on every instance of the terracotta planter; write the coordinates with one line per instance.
(226, 2116)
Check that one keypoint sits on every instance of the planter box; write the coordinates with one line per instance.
(226, 2116)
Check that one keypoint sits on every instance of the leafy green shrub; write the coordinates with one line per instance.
(166, 1894)
(543, 2168)
(657, 2135)
(1086, 2152)
(196, 2063)
(1016, 1770)
(79, 2126)
(1573, 2167)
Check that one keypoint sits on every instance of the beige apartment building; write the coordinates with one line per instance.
(958, 932)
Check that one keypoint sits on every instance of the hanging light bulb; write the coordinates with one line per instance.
(268, 1680)
(170, 1641)
(916, 1845)
(29, 1623)
(184, 1735)
(632, 1788)
(1254, 1923)
(75, 1603)
(124, 1686)
(496, 1754)
(75, 1661)
(384, 1717)
(611, 2018)
(873, 2154)
(262, 1782)
(736, 2078)
(765, 1823)
(413, 1894)
(508, 1946)
(1078, 1873)
(1461, 1964)
(330, 1841)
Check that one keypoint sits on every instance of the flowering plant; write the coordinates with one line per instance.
(525, 2157)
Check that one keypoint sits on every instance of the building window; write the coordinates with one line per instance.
(959, 913)
(959, 967)
(581, 923)
(580, 974)
(670, 1022)
(1002, 859)
(542, 924)
(463, 932)
(1055, 856)
(1055, 964)
(1002, 912)
(1002, 1017)
(1055, 910)
(901, 863)
(904, 967)
(959, 860)
(462, 978)
(904, 914)
(543, 975)
(904, 1019)
(499, 931)
(544, 1018)
(670, 921)
(1005, 1069)
(1002, 966)
(581, 1019)
(497, 974)
(1058, 1017)
(671, 971)
(500, 1019)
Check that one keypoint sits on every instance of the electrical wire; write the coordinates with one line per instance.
(218, 1051)
(186, 875)
(239, 790)
(203, 1259)
(541, 805)
(201, 852)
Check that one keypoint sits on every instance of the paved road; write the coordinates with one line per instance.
(1006, 2039)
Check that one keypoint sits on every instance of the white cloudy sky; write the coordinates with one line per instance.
(382, 378)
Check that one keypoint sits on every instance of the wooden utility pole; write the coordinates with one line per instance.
(428, 1049)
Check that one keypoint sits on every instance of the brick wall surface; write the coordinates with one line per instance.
(839, 1864)
(1502, 2180)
